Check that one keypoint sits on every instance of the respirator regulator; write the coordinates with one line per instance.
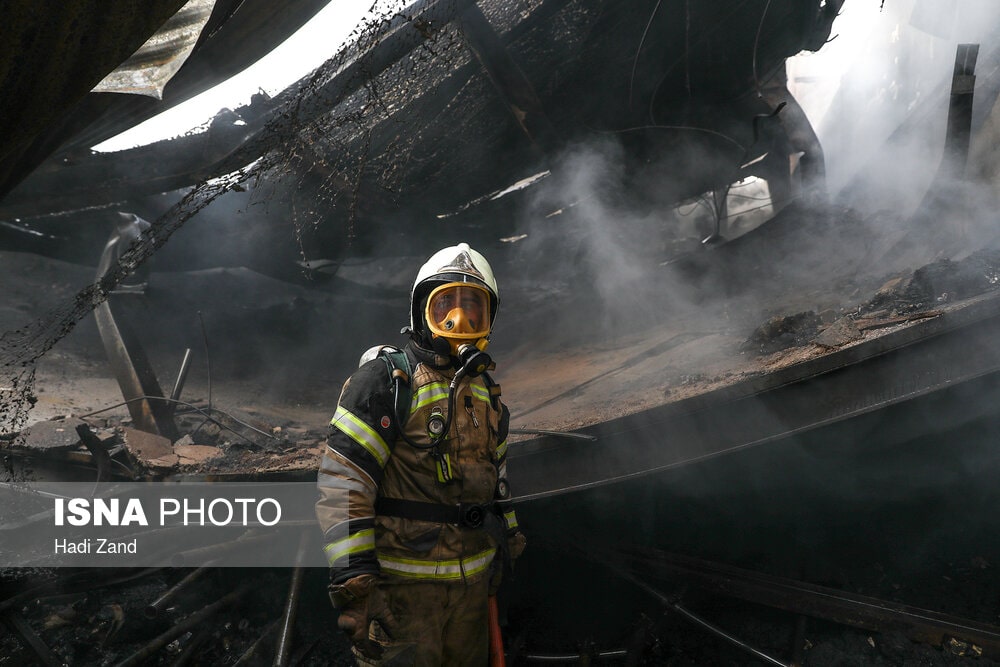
(474, 361)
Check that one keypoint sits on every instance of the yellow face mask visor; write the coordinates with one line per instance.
(458, 312)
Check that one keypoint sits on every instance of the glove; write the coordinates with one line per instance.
(516, 542)
(360, 602)
(515, 546)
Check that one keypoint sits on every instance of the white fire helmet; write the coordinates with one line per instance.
(455, 297)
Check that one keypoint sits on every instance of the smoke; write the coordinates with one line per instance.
(877, 95)
(643, 316)
(608, 257)
(587, 188)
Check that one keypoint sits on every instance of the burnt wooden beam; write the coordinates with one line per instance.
(508, 79)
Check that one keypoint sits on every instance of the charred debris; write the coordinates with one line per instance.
(378, 139)
(718, 603)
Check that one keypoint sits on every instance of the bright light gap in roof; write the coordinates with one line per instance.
(308, 48)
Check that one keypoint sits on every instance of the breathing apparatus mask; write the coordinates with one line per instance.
(459, 314)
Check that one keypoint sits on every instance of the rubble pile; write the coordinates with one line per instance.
(901, 299)
(64, 450)
(167, 616)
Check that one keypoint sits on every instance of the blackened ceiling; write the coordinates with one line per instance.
(52, 53)
(459, 100)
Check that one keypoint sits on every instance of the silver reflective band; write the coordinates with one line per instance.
(327, 479)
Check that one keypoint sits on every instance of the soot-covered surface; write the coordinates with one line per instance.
(851, 509)
(911, 522)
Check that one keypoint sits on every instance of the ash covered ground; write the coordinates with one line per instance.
(908, 522)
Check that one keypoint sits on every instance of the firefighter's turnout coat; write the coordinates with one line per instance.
(367, 465)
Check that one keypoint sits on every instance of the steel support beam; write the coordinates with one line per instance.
(134, 374)
(963, 83)
(128, 358)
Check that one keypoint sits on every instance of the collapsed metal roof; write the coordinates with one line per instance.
(366, 162)
(450, 101)
(52, 55)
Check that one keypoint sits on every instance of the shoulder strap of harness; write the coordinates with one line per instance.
(399, 369)
(494, 389)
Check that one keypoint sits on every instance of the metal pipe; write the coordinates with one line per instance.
(153, 609)
(250, 653)
(568, 657)
(554, 434)
(288, 619)
(147, 651)
(78, 581)
(175, 394)
(697, 620)
(291, 606)
(221, 550)
(722, 634)
(834, 605)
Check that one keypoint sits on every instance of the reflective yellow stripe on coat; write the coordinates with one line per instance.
(355, 428)
(437, 570)
(429, 393)
(352, 544)
(480, 392)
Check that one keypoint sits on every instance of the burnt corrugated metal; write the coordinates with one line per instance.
(149, 69)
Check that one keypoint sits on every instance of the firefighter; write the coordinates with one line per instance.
(413, 496)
